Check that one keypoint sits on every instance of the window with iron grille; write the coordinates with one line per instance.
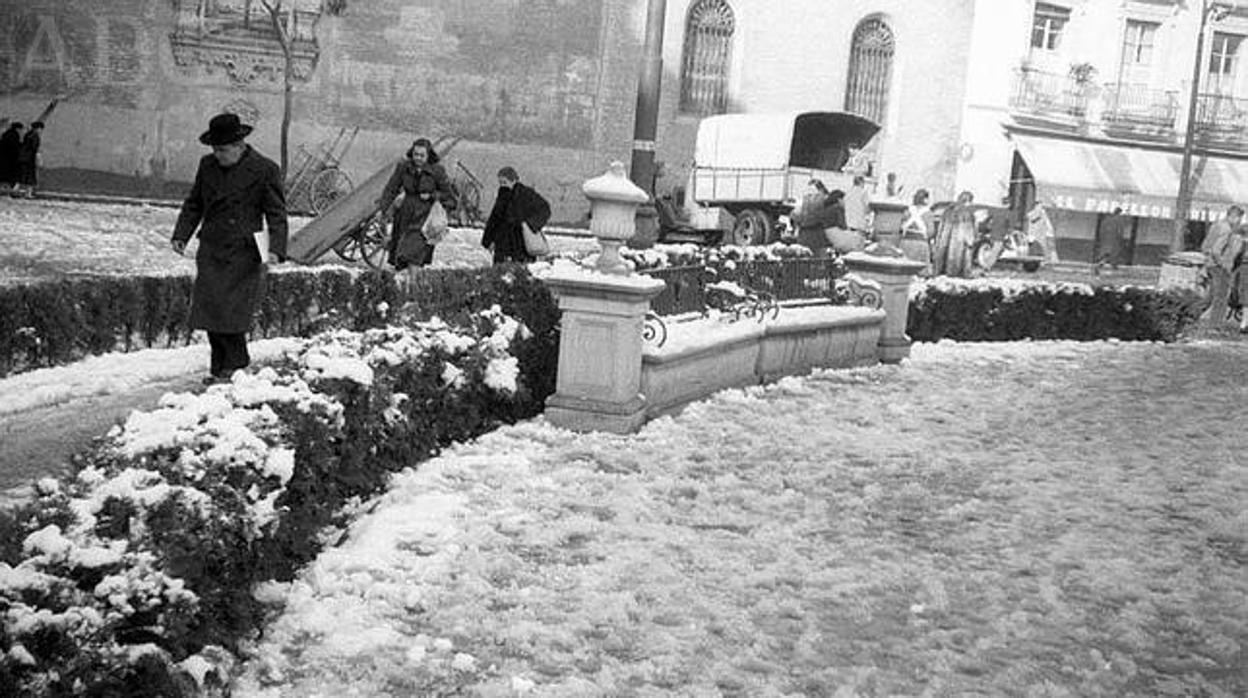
(870, 70)
(1047, 25)
(704, 70)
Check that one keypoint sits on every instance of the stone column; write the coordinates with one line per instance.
(894, 274)
(599, 383)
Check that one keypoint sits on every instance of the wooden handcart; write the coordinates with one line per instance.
(316, 181)
(352, 226)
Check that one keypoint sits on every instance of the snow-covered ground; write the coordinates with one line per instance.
(1008, 519)
(1000, 519)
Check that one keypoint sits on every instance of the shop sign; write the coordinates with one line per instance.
(1096, 202)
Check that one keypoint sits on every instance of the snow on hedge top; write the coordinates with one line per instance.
(1009, 288)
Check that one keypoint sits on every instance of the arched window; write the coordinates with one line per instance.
(870, 70)
(704, 70)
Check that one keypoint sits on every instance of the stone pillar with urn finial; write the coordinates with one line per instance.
(598, 387)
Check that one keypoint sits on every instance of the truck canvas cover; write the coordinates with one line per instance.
(818, 140)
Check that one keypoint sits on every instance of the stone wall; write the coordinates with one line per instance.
(546, 85)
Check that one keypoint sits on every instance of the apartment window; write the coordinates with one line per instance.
(870, 70)
(1047, 26)
(704, 70)
(1137, 44)
(1222, 56)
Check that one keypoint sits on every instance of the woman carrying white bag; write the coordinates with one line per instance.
(513, 232)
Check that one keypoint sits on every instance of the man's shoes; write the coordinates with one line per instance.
(214, 379)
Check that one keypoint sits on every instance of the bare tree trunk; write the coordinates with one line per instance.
(288, 78)
(287, 99)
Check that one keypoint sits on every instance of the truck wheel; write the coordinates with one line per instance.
(752, 227)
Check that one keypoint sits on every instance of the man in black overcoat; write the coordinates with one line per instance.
(515, 204)
(237, 193)
(10, 144)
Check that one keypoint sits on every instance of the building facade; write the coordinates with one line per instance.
(1084, 106)
(548, 86)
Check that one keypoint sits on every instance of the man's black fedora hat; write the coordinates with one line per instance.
(224, 129)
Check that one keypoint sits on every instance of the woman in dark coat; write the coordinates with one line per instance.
(421, 179)
(515, 204)
(10, 144)
(237, 192)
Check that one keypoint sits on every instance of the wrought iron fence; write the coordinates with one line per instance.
(779, 280)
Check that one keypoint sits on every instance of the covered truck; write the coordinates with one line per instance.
(756, 166)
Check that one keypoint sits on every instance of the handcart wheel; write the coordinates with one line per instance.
(329, 185)
(372, 242)
(348, 248)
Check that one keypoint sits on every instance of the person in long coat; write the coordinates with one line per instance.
(955, 236)
(1222, 247)
(237, 193)
(421, 179)
(515, 203)
(28, 159)
(10, 144)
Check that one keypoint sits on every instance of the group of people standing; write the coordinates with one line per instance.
(19, 158)
(943, 242)
(834, 220)
(1225, 247)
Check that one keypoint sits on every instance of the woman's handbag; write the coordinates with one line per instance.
(535, 242)
(436, 224)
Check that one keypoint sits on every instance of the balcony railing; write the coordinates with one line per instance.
(1132, 105)
(1221, 117)
(1049, 93)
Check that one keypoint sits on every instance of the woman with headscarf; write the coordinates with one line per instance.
(955, 236)
(422, 180)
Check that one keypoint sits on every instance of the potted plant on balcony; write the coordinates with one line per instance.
(1082, 73)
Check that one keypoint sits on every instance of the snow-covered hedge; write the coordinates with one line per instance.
(135, 575)
(666, 255)
(990, 309)
(56, 322)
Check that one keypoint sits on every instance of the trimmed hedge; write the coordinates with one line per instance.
(997, 310)
(110, 604)
(58, 322)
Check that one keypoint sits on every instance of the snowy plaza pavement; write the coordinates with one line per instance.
(1005, 519)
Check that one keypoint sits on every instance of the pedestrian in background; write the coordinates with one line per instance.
(422, 180)
(516, 204)
(858, 207)
(28, 160)
(1111, 240)
(837, 232)
(1221, 248)
(812, 217)
(237, 193)
(10, 144)
(916, 226)
(1040, 229)
(955, 236)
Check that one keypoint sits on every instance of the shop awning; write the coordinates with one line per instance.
(1097, 177)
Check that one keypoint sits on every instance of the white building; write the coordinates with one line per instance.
(1083, 104)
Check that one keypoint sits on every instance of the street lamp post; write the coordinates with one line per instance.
(1183, 204)
(646, 122)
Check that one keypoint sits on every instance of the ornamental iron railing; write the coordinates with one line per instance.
(697, 289)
